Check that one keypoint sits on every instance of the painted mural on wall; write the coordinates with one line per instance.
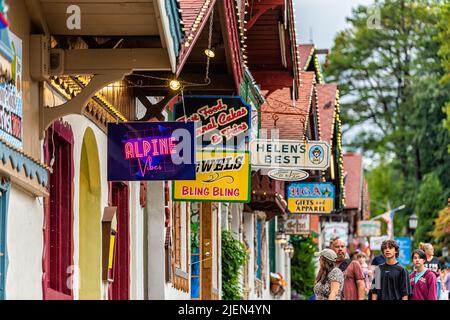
(11, 112)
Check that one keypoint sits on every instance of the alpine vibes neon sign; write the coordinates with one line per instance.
(151, 151)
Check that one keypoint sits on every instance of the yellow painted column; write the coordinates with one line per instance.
(90, 219)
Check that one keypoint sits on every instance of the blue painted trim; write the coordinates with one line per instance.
(176, 32)
(20, 161)
(5, 188)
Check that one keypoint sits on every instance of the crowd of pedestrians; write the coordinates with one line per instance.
(342, 278)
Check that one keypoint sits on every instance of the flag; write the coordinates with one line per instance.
(388, 217)
(3, 22)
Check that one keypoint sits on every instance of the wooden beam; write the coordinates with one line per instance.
(37, 15)
(99, 61)
(78, 103)
(259, 13)
(154, 110)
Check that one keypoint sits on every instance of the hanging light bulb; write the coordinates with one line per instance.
(210, 53)
(174, 85)
(281, 238)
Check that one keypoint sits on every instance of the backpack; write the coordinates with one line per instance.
(343, 266)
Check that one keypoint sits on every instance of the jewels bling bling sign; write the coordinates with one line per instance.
(151, 151)
(313, 155)
(221, 176)
(224, 121)
(310, 197)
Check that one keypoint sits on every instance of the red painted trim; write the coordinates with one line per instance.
(62, 137)
(233, 42)
(184, 54)
(119, 289)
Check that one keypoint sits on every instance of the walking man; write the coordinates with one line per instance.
(354, 287)
(391, 280)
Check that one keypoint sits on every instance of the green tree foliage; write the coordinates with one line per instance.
(394, 87)
(302, 266)
(441, 232)
(444, 52)
(429, 201)
(234, 257)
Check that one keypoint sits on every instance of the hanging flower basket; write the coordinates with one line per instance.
(277, 284)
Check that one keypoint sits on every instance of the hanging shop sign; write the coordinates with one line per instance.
(224, 120)
(221, 176)
(298, 224)
(151, 151)
(333, 230)
(404, 255)
(375, 242)
(11, 112)
(312, 155)
(288, 174)
(368, 228)
(310, 197)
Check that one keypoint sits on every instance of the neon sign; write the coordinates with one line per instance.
(151, 151)
(224, 121)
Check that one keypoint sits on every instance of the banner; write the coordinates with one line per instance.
(221, 176)
(297, 224)
(404, 257)
(313, 155)
(151, 151)
(333, 230)
(310, 197)
(369, 228)
(11, 109)
(224, 120)
(375, 242)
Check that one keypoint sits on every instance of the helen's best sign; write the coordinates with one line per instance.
(312, 155)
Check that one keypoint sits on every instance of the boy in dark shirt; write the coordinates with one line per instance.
(391, 280)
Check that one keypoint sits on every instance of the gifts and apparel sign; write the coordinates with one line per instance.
(298, 224)
(310, 197)
(332, 230)
(404, 256)
(271, 153)
(224, 120)
(151, 151)
(368, 228)
(221, 176)
(11, 112)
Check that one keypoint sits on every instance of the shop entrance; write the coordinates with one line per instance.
(4, 196)
(90, 219)
(120, 287)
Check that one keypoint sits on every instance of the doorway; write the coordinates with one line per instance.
(4, 198)
(119, 289)
(90, 219)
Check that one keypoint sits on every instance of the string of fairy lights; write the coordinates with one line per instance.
(242, 29)
(339, 147)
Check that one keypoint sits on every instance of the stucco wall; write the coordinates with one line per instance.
(24, 241)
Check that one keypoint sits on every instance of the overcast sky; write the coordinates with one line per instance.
(325, 18)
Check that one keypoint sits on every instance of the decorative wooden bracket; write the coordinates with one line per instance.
(154, 110)
(78, 103)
